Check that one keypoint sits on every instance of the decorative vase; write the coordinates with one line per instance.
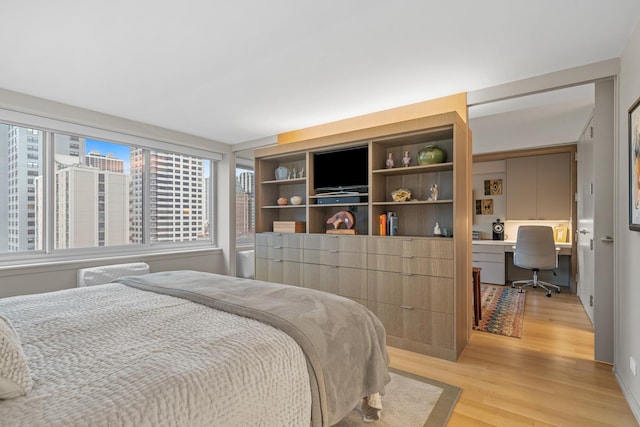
(296, 200)
(431, 154)
(282, 172)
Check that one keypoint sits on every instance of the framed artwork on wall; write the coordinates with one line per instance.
(634, 166)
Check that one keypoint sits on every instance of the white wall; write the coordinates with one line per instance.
(54, 277)
(627, 292)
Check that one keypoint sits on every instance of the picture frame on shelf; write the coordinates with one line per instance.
(634, 166)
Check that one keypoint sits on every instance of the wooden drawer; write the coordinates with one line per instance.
(287, 272)
(336, 243)
(421, 326)
(279, 253)
(285, 240)
(411, 265)
(345, 281)
(430, 248)
(424, 292)
(335, 258)
(407, 246)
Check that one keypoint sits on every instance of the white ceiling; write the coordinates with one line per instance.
(236, 71)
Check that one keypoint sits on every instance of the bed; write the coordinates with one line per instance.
(191, 348)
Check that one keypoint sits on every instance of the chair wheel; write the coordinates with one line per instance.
(513, 286)
(549, 294)
(557, 291)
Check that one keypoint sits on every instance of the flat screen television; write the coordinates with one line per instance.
(341, 171)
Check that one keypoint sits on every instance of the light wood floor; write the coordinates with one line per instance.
(546, 378)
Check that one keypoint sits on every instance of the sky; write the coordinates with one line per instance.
(120, 151)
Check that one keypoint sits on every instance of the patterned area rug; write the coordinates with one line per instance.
(502, 310)
(411, 401)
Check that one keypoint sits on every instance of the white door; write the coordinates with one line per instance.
(584, 233)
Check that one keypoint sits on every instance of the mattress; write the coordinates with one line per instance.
(113, 355)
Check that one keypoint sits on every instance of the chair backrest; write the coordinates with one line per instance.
(535, 248)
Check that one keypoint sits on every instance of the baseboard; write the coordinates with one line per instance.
(631, 400)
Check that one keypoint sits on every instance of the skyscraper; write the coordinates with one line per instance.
(24, 157)
(92, 208)
(104, 162)
(177, 197)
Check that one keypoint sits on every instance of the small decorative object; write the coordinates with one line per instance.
(436, 230)
(339, 218)
(401, 195)
(445, 232)
(390, 161)
(560, 233)
(484, 207)
(296, 200)
(301, 173)
(435, 193)
(492, 187)
(282, 172)
(294, 173)
(431, 154)
(282, 201)
(406, 160)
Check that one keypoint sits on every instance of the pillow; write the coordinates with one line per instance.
(15, 378)
(108, 273)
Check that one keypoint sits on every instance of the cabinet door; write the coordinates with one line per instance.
(553, 189)
(521, 188)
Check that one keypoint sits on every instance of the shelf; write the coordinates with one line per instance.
(330, 205)
(323, 196)
(413, 202)
(285, 181)
(439, 167)
(283, 207)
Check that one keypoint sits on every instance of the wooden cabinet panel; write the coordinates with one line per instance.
(287, 272)
(428, 266)
(279, 253)
(521, 188)
(432, 248)
(336, 258)
(539, 187)
(553, 190)
(344, 281)
(422, 326)
(331, 242)
(425, 292)
(286, 240)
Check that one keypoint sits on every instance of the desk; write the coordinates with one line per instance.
(495, 257)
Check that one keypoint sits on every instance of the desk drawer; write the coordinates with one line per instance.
(488, 249)
(489, 257)
(492, 272)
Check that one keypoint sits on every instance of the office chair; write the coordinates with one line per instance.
(535, 250)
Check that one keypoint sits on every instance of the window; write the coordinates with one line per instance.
(245, 204)
(18, 222)
(102, 193)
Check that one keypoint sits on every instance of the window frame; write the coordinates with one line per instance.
(47, 159)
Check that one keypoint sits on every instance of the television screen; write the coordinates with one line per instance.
(341, 170)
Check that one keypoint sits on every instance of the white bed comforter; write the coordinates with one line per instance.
(112, 355)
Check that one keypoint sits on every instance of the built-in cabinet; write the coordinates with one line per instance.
(539, 187)
(418, 284)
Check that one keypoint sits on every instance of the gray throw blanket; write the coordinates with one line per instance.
(343, 341)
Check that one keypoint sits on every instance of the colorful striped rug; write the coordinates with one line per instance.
(502, 310)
